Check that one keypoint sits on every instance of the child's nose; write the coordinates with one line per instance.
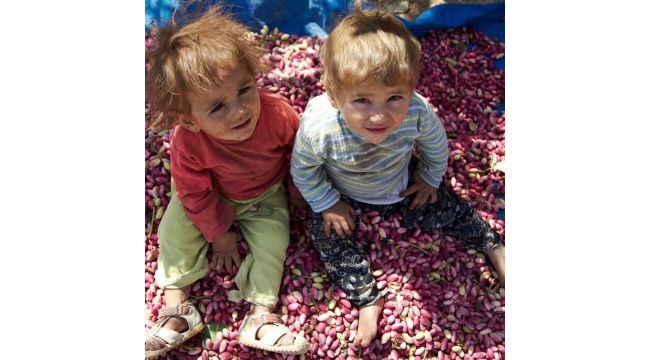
(378, 117)
(238, 111)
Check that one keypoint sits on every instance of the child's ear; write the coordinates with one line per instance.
(330, 96)
(332, 100)
(186, 122)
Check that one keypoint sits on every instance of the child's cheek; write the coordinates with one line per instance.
(359, 124)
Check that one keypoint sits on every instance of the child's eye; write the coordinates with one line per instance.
(361, 101)
(395, 98)
(217, 108)
(244, 90)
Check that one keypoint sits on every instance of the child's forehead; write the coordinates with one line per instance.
(231, 75)
(227, 80)
(371, 87)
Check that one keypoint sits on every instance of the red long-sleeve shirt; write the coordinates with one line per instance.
(203, 167)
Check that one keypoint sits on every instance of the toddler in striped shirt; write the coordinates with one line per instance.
(354, 151)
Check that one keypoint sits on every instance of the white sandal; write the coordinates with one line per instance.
(186, 311)
(269, 342)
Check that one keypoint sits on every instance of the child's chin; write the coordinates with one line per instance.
(375, 139)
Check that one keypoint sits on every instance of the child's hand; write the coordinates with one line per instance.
(341, 217)
(423, 192)
(226, 251)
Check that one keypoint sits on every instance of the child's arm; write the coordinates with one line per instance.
(199, 196)
(433, 147)
(433, 159)
(308, 173)
(203, 206)
(310, 178)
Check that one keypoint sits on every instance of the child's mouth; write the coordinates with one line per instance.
(377, 130)
(243, 125)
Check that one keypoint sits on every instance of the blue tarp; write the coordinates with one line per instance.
(308, 17)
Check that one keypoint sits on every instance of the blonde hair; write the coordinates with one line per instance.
(187, 57)
(369, 44)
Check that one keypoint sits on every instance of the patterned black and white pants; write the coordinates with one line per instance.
(347, 263)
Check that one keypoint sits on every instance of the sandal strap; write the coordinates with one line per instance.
(185, 311)
(174, 310)
(257, 320)
(272, 336)
(171, 337)
(269, 318)
(252, 323)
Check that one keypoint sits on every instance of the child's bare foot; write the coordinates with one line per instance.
(367, 330)
(498, 259)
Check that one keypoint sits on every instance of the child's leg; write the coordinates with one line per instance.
(469, 227)
(459, 219)
(348, 268)
(181, 262)
(266, 231)
(498, 259)
(175, 297)
(264, 223)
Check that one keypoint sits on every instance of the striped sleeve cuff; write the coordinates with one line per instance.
(433, 179)
(326, 202)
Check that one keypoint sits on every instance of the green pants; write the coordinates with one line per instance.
(182, 259)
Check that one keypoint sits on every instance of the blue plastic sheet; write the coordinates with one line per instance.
(308, 17)
(487, 18)
(300, 17)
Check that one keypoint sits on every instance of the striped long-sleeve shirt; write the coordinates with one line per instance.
(329, 159)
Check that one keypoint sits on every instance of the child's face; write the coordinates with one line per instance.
(372, 109)
(227, 112)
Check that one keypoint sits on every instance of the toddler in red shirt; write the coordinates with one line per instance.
(230, 152)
